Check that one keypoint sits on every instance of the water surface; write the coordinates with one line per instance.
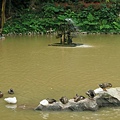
(36, 71)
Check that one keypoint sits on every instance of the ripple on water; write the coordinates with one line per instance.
(109, 113)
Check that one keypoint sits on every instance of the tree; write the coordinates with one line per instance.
(2, 15)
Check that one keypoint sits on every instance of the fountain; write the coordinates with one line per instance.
(66, 32)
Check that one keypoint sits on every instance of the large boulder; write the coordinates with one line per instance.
(108, 98)
(86, 104)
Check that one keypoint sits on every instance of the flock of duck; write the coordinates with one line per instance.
(64, 100)
(11, 100)
(91, 94)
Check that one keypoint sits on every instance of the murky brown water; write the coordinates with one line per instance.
(36, 71)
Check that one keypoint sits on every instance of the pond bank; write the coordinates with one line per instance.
(54, 33)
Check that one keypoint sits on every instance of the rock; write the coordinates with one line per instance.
(109, 98)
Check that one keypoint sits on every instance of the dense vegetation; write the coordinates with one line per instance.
(40, 15)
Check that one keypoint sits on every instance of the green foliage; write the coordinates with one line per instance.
(102, 20)
(89, 19)
(49, 10)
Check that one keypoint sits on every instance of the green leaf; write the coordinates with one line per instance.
(116, 24)
(61, 17)
(104, 22)
(90, 17)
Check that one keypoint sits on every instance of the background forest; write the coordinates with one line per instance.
(23, 16)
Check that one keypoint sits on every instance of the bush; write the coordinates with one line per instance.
(104, 19)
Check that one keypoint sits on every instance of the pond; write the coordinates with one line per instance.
(37, 71)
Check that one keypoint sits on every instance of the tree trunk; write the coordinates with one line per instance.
(9, 7)
(2, 15)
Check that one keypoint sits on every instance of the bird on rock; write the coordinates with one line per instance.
(50, 101)
(91, 94)
(78, 98)
(64, 100)
(105, 85)
(44, 102)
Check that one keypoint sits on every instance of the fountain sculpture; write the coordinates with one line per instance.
(66, 32)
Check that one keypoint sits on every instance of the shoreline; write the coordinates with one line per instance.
(40, 33)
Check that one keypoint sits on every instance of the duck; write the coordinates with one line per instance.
(105, 85)
(47, 101)
(1, 94)
(50, 101)
(44, 102)
(11, 91)
(91, 94)
(64, 100)
(78, 98)
(98, 90)
(11, 100)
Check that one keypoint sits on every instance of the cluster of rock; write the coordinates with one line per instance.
(104, 96)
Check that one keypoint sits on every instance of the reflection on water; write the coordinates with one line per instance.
(11, 106)
(84, 46)
(37, 71)
(44, 115)
(102, 114)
